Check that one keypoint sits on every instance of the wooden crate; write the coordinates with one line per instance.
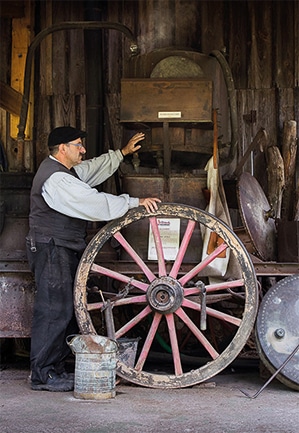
(166, 100)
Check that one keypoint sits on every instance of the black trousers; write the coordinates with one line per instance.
(54, 268)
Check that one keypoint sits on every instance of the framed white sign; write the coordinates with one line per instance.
(169, 114)
(169, 229)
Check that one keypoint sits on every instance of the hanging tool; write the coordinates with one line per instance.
(107, 308)
(203, 304)
(259, 141)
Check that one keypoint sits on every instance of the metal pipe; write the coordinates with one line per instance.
(86, 25)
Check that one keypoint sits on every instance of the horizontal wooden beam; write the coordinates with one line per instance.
(10, 99)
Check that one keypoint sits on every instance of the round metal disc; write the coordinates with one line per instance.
(175, 67)
(254, 206)
(277, 329)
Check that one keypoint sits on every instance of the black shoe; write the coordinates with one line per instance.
(67, 376)
(55, 383)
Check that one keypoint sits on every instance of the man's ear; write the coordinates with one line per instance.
(62, 147)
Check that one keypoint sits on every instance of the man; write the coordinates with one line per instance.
(63, 199)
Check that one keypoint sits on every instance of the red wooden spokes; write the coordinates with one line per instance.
(159, 246)
(185, 318)
(148, 342)
(101, 270)
(163, 298)
(130, 250)
(198, 268)
(183, 248)
(142, 299)
(174, 344)
(133, 322)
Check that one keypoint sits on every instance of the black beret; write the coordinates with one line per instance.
(64, 134)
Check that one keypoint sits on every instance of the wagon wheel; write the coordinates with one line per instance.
(164, 300)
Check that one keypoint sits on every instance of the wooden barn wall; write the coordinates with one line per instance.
(61, 88)
(259, 39)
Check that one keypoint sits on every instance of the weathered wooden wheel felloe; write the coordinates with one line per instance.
(172, 307)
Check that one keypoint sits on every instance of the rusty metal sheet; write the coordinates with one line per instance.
(17, 286)
(255, 212)
(277, 329)
(16, 307)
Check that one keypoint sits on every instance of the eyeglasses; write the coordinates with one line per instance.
(76, 145)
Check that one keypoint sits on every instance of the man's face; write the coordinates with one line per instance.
(75, 151)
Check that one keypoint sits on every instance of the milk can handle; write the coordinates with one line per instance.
(69, 339)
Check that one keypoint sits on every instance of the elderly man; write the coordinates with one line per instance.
(63, 199)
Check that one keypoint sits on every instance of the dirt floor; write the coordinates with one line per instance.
(217, 406)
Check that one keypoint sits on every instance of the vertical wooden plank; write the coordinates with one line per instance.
(156, 24)
(21, 38)
(237, 42)
(113, 53)
(283, 23)
(165, 21)
(187, 24)
(76, 59)
(260, 60)
(285, 108)
(113, 48)
(76, 63)
(129, 20)
(62, 96)
(117, 48)
(20, 43)
(63, 109)
(68, 50)
(68, 69)
(212, 24)
(5, 49)
(46, 54)
(266, 118)
(248, 100)
(296, 75)
(296, 43)
(146, 26)
(289, 155)
(44, 126)
(245, 135)
(43, 116)
(60, 50)
(80, 112)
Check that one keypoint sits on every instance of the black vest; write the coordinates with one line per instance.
(47, 224)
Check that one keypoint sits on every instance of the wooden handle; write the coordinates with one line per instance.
(215, 140)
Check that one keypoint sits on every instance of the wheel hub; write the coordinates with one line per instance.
(165, 295)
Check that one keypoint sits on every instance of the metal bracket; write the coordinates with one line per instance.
(203, 303)
(251, 117)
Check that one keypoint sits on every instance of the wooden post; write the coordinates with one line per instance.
(296, 216)
(289, 151)
(276, 179)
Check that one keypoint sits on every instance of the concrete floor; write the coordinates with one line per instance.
(217, 406)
